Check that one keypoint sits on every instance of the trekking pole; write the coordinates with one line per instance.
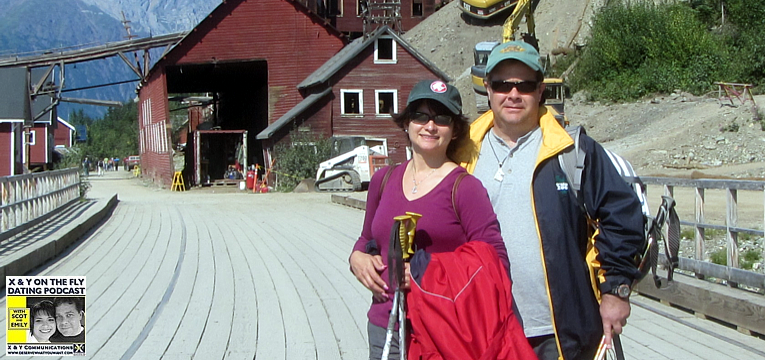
(400, 251)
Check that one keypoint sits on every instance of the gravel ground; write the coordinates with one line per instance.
(675, 135)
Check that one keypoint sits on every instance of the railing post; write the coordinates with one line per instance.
(699, 230)
(731, 221)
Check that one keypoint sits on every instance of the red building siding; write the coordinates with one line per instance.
(368, 77)
(351, 22)
(63, 135)
(6, 149)
(293, 42)
(155, 148)
(38, 153)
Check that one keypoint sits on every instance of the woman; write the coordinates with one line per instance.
(43, 324)
(435, 125)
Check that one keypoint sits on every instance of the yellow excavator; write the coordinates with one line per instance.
(555, 88)
(484, 9)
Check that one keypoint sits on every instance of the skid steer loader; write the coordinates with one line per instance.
(354, 160)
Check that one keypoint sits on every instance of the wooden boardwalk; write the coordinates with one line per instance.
(221, 274)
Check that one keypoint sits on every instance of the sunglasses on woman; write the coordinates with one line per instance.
(423, 118)
(504, 86)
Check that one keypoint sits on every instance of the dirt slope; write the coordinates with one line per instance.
(667, 135)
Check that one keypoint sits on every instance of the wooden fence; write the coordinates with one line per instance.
(743, 309)
(731, 273)
(27, 200)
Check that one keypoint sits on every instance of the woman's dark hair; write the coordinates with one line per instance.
(45, 306)
(460, 125)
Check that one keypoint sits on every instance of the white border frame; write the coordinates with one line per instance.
(377, 101)
(360, 93)
(394, 49)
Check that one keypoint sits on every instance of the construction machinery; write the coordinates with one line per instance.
(555, 88)
(484, 9)
(354, 160)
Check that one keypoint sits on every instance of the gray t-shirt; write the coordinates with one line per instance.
(510, 193)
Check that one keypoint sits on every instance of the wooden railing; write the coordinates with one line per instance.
(730, 272)
(730, 304)
(26, 200)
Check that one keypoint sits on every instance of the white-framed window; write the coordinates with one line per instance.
(351, 102)
(32, 137)
(416, 8)
(359, 8)
(386, 102)
(385, 50)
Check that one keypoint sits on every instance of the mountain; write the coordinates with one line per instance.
(157, 17)
(25, 30)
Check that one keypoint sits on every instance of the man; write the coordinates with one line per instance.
(554, 268)
(70, 313)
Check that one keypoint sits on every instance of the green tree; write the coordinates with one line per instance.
(638, 49)
(114, 135)
(300, 158)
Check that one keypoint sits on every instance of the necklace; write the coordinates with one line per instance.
(500, 174)
(414, 181)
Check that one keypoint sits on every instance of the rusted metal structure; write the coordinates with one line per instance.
(38, 80)
(401, 15)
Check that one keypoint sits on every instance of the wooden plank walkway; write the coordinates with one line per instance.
(221, 274)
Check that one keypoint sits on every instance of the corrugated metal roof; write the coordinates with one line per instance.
(292, 114)
(350, 51)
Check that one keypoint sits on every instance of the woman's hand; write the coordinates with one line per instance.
(367, 269)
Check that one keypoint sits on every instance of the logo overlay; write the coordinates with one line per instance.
(45, 315)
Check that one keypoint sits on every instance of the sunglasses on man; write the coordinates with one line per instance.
(423, 118)
(505, 86)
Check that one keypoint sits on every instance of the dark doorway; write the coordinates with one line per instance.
(238, 98)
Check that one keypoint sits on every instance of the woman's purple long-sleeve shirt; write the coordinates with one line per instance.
(439, 229)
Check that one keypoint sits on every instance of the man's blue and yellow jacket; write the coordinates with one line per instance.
(579, 262)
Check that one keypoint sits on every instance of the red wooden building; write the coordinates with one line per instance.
(64, 134)
(347, 14)
(354, 92)
(11, 149)
(248, 56)
(44, 137)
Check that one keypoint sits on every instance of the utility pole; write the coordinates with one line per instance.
(130, 36)
(28, 121)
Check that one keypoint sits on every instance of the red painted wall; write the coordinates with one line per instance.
(368, 76)
(281, 32)
(350, 22)
(154, 144)
(293, 43)
(63, 135)
(6, 149)
(39, 152)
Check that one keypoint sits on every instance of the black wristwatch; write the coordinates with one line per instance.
(623, 291)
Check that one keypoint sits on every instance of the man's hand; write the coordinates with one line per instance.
(367, 269)
(614, 311)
